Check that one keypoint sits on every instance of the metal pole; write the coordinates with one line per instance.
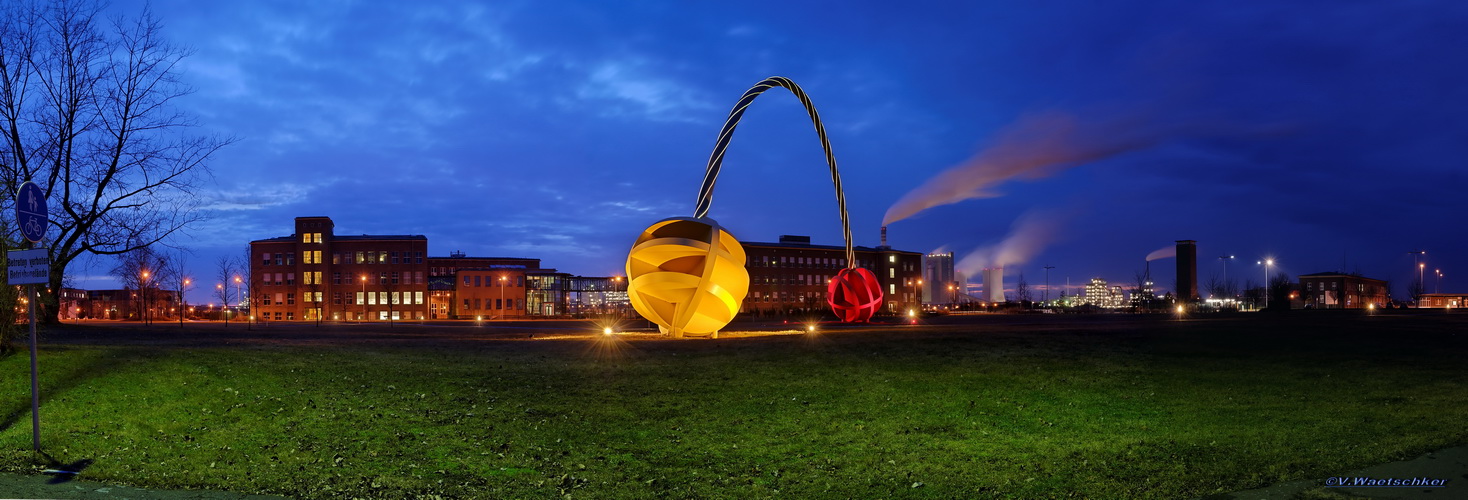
(30, 291)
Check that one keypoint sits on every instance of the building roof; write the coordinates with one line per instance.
(480, 258)
(1332, 274)
(364, 237)
(822, 247)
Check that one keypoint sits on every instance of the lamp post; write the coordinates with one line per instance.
(1045, 297)
(144, 291)
(239, 292)
(952, 297)
(616, 285)
(1417, 259)
(1438, 288)
(501, 303)
(183, 305)
(363, 299)
(1267, 263)
(225, 299)
(1225, 259)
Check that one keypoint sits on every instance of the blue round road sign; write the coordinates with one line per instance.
(30, 212)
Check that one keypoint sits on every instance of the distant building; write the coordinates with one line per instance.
(793, 275)
(1341, 291)
(938, 275)
(466, 287)
(1100, 295)
(316, 273)
(994, 285)
(127, 304)
(1187, 270)
(1443, 300)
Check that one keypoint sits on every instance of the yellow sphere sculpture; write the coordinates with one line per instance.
(687, 275)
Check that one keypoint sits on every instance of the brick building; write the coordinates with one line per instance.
(793, 274)
(316, 273)
(479, 287)
(1341, 291)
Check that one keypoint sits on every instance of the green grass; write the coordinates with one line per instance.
(1166, 411)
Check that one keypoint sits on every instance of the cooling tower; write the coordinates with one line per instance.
(994, 284)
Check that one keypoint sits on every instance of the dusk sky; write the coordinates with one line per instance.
(1328, 135)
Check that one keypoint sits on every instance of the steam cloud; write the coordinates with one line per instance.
(1041, 145)
(1029, 235)
(1166, 252)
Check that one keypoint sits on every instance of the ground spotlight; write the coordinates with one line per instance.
(810, 328)
(606, 330)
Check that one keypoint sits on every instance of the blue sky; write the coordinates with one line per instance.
(1327, 135)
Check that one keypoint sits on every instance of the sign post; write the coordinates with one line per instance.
(30, 215)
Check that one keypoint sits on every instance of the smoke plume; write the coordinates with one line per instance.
(1034, 147)
(1028, 236)
(1166, 252)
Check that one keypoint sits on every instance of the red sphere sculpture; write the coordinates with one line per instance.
(854, 295)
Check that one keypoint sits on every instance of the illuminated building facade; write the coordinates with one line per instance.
(792, 275)
(1341, 291)
(316, 273)
(463, 287)
(1443, 300)
(938, 275)
(1107, 297)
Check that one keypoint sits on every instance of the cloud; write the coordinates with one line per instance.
(639, 93)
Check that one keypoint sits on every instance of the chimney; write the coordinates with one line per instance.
(884, 236)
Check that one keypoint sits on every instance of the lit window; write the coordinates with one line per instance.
(891, 258)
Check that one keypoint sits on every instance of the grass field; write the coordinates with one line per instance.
(1095, 406)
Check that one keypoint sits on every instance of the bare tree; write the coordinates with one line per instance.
(144, 271)
(1280, 287)
(1022, 289)
(226, 270)
(1216, 287)
(183, 280)
(9, 296)
(87, 112)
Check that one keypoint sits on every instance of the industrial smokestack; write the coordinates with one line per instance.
(1187, 270)
(884, 236)
(994, 284)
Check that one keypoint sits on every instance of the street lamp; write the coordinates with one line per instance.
(501, 303)
(953, 297)
(363, 298)
(182, 304)
(146, 274)
(225, 303)
(239, 292)
(1267, 263)
(616, 284)
(1421, 281)
(1225, 259)
(1438, 288)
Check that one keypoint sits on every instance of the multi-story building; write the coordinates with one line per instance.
(125, 304)
(465, 287)
(316, 273)
(1341, 291)
(938, 276)
(793, 275)
(1107, 297)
